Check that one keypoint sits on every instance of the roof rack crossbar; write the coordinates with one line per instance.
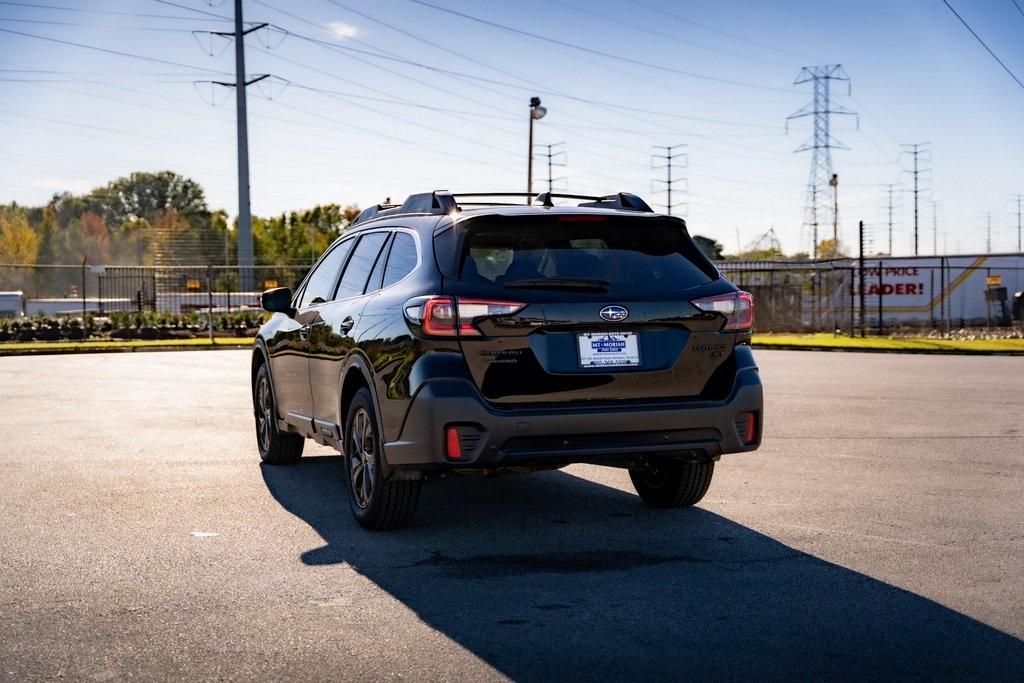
(442, 202)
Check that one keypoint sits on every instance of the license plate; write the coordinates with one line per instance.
(608, 350)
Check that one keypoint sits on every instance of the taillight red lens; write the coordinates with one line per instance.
(737, 307)
(439, 316)
(452, 444)
(445, 316)
(751, 432)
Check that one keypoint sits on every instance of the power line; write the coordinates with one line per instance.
(600, 53)
(968, 26)
(619, 21)
(718, 31)
(143, 15)
(54, 22)
(105, 50)
(389, 56)
(1021, 10)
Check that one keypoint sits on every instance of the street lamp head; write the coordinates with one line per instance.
(538, 112)
(534, 101)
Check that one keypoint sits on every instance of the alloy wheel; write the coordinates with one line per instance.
(362, 458)
(264, 413)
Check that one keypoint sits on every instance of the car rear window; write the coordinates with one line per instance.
(633, 257)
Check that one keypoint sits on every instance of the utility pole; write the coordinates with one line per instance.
(663, 157)
(935, 228)
(1018, 222)
(889, 190)
(988, 232)
(834, 182)
(860, 273)
(821, 143)
(917, 149)
(245, 246)
(559, 158)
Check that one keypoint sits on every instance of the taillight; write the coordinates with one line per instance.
(737, 307)
(446, 316)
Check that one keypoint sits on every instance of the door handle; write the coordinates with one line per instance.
(347, 324)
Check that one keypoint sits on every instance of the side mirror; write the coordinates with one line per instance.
(277, 300)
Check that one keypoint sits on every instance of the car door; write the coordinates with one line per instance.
(290, 348)
(338, 329)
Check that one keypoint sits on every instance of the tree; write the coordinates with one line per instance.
(19, 243)
(144, 195)
(712, 248)
(830, 249)
(767, 254)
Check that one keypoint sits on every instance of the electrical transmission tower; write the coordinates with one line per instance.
(821, 142)
(669, 157)
(555, 158)
(921, 152)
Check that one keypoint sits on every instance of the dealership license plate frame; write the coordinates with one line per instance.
(587, 355)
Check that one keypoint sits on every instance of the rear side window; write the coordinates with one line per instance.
(358, 270)
(634, 258)
(320, 284)
(402, 259)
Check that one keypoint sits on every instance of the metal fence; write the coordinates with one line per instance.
(102, 289)
(885, 294)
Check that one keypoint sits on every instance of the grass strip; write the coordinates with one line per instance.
(824, 340)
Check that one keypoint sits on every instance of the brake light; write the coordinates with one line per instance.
(445, 316)
(737, 307)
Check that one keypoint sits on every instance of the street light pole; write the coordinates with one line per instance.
(834, 182)
(536, 112)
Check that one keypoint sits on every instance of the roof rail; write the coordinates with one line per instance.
(619, 200)
(444, 202)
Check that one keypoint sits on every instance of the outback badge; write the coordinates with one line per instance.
(614, 313)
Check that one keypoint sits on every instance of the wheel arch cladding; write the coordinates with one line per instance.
(355, 379)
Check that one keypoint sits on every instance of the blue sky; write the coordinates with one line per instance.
(371, 110)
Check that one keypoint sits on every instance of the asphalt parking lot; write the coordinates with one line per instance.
(878, 533)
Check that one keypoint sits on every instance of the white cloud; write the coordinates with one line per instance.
(342, 30)
(60, 185)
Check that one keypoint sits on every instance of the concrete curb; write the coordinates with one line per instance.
(121, 348)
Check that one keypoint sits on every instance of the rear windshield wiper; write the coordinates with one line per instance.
(593, 284)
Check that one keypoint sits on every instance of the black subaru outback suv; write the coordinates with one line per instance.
(450, 334)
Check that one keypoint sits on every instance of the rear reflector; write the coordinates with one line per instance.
(737, 307)
(746, 426)
(452, 444)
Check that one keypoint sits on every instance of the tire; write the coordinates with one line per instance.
(673, 483)
(276, 447)
(376, 504)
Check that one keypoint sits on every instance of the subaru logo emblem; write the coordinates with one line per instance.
(614, 313)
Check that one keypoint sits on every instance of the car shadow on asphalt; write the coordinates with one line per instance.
(554, 576)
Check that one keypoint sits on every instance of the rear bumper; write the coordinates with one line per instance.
(560, 435)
